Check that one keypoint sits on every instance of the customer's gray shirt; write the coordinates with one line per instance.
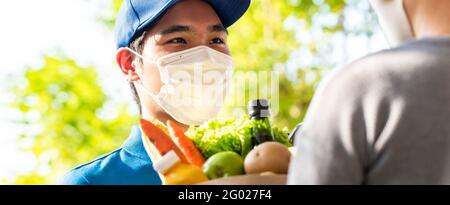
(384, 119)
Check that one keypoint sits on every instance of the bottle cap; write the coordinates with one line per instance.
(258, 108)
(166, 162)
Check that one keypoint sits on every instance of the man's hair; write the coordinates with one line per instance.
(137, 44)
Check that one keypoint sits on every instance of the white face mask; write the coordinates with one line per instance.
(196, 82)
(393, 20)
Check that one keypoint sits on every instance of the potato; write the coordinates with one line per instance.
(268, 157)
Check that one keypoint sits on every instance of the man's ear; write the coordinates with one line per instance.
(125, 60)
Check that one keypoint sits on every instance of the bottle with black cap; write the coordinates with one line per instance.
(259, 113)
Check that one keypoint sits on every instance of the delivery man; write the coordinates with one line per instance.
(384, 119)
(163, 48)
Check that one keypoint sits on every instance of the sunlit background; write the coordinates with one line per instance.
(63, 101)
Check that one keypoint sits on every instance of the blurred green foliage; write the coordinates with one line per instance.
(260, 41)
(62, 103)
(63, 108)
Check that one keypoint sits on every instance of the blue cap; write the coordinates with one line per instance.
(136, 15)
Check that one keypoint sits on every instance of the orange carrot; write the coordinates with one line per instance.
(186, 146)
(160, 140)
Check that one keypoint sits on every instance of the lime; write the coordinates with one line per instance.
(224, 164)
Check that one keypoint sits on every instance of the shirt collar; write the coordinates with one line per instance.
(134, 144)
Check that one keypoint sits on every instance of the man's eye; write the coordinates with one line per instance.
(217, 41)
(177, 41)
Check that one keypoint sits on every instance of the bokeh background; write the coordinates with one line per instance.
(64, 102)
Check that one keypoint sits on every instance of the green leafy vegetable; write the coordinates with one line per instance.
(229, 134)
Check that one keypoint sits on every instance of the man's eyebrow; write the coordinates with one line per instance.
(218, 28)
(175, 29)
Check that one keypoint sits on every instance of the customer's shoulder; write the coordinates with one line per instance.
(81, 174)
(402, 62)
(386, 69)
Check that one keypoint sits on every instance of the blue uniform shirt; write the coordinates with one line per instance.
(128, 165)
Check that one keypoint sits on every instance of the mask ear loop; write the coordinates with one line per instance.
(141, 56)
(139, 82)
